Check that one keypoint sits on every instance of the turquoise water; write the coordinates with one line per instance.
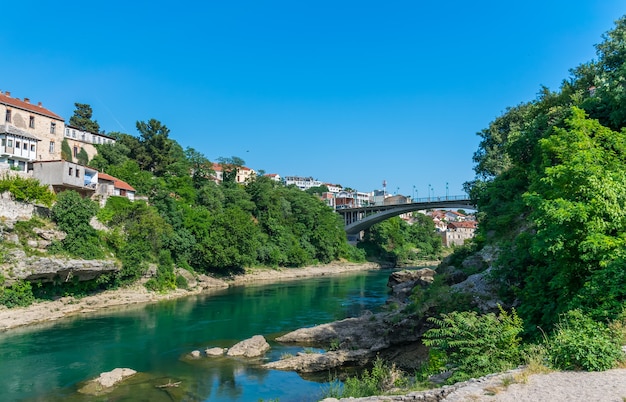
(48, 362)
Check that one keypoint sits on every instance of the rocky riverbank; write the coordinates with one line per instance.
(136, 294)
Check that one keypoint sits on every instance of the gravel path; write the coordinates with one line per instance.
(554, 387)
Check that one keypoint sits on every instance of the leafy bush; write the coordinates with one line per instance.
(72, 214)
(20, 294)
(165, 279)
(579, 343)
(476, 345)
(377, 381)
(27, 189)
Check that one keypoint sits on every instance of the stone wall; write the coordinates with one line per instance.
(15, 210)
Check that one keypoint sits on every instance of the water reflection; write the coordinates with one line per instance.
(49, 362)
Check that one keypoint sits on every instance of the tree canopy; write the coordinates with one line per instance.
(82, 118)
(551, 191)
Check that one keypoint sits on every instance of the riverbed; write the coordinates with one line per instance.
(49, 361)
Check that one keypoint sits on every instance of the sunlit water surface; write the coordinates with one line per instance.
(50, 362)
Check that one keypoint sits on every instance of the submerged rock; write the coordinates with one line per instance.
(106, 381)
(212, 352)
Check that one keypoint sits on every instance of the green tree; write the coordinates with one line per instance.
(82, 118)
(72, 214)
(157, 153)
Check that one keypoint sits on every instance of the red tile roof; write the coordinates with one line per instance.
(15, 102)
(465, 225)
(117, 183)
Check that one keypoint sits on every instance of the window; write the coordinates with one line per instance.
(77, 172)
(25, 145)
(75, 151)
(73, 133)
(93, 139)
(53, 127)
(10, 143)
(7, 116)
(51, 150)
(67, 132)
(82, 136)
(70, 171)
(4, 142)
(31, 122)
(32, 147)
(17, 144)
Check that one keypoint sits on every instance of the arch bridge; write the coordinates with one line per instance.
(360, 218)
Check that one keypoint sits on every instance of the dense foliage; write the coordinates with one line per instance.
(474, 345)
(195, 222)
(551, 190)
(26, 189)
(395, 240)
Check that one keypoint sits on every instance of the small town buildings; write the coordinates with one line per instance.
(79, 139)
(30, 122)
(63, 175)
(18, 148)
(110, 186)
(273, 176)
(303, 183)
(244, 174)
(458, 232)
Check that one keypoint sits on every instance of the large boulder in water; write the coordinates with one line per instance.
(316, 362)
(253, 347)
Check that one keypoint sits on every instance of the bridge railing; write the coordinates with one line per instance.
(441, 198)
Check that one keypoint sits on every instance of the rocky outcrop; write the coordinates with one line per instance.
(483, 291)
(45, 269)
(253, 347)
(403, 282)
(315, 362)
(106, 381)
(365, 332)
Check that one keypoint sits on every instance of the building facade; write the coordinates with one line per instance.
(30, 122)
(79, 139)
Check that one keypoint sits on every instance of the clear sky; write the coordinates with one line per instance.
(348, 92)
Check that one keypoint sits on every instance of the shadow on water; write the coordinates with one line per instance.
(50, 362)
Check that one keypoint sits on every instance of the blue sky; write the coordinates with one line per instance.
(348, 92)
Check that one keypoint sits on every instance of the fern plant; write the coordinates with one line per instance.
(475, 345)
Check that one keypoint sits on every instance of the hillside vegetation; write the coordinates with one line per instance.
(183, 219)
(550, 190)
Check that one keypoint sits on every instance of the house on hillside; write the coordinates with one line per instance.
(18, 148)
(303, 183)
(458, 232)
(34, 125)
(112, 186)
(63, 175)
(243, 175)
(79, 139)
(273, 176)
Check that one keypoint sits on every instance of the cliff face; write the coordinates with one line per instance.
(52, 269)
(23, 253)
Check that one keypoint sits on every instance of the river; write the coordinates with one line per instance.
(48, 362)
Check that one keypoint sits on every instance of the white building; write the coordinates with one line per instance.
(303, 183)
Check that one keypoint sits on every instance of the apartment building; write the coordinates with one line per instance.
(86, 140)
(28, 132)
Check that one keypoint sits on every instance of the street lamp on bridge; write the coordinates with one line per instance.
(429, 186)
(446, 190)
